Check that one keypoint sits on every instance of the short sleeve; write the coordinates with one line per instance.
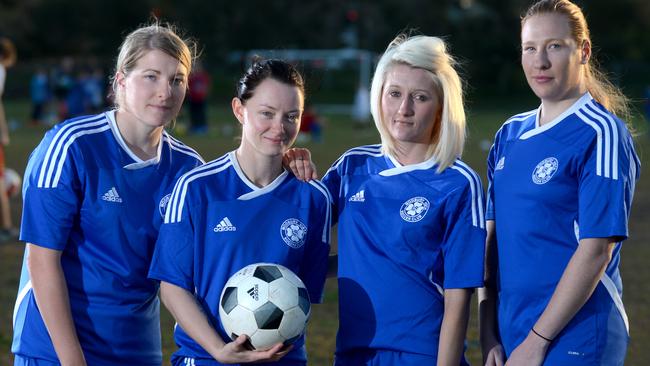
(464, 240)
(173, 257)
(491, 163)
(314, 268)
(606, 188)
(51, 193)
(332, 181)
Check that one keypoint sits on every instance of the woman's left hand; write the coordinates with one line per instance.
(531, 352)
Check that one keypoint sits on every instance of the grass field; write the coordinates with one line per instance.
(340, 134)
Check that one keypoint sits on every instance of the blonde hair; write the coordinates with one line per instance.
(156, 36)
(8, 54)
(430, 54)
(596, 81)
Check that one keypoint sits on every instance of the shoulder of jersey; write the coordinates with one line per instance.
(180, 147)
(61, 137)
(75, 125)
(320, 190)
(187, 182)
(209, 169)
(464, 174)
(358, 155)
(471, 179)
(599, 123)
(516, 125)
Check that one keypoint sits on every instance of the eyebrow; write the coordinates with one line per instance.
(414, 90)
(268, 106)
(275, 109)
(546, 40)
(180, 73)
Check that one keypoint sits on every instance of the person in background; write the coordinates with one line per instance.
(62, 82)
(561, 181)
(8, 57)
(39, 91)
(197, 98)
(311, 126)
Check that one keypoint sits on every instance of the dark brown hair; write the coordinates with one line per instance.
(260, 70)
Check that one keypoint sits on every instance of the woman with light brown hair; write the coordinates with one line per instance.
(96, 189)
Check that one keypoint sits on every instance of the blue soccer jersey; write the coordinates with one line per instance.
(87, 195)
(219, 222)
(549, 187)
(405, 234)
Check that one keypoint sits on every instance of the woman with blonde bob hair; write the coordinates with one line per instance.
(430, 54)
(411, 235)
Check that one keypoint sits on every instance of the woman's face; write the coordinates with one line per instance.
(551, 59)
(271, 117)
(154, 90)
(410, 104)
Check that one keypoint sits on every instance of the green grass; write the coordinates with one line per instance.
(339, 135)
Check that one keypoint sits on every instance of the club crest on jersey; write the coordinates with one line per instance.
(162, 206)
(414, 209)
(294, 233)
(545, 170)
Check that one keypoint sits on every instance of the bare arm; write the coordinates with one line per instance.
(183, 306)
(487, 299)
(4, 130)
(454, 326)
(576, 285)
(51, 293)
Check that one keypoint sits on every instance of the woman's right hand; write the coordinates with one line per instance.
(238, 351)
(298, 160)
(494, 355)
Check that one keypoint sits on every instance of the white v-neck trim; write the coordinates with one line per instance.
(586, 97)
(399, 168)
(257, 191)
(139, 163)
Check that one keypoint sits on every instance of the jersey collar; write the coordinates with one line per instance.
(586, 98)
(399, 168)
(139, 163)
(256, 191)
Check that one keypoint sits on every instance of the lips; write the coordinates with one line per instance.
(542, 79)
(275, 140)
(162, 107)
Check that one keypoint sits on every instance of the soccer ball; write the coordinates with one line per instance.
(267, 302)
(12, 182)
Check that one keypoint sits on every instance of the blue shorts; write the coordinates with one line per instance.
(189, 361)
(371, 357)
(28, 361)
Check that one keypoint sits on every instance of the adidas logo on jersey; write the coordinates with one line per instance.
(358, 197)
(254, 292)
(112, 196)
(224, 225)
(501, 163)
